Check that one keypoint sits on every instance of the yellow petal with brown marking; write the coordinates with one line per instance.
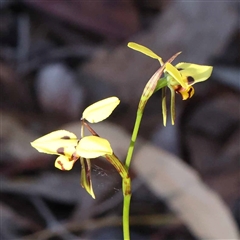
(56, 142)
(63, 163)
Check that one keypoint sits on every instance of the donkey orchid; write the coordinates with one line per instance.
(179, 78)
(70, 148)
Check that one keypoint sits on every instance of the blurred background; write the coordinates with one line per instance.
(57, 57)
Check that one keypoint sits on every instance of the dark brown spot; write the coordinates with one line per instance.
(60, 151)
(65, 137)
(189, 92)
(190, 80)
(59, 162)
(179, 69)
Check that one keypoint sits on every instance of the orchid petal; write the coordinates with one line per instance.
(100, 110)
(186, 93)
(55, 142)
(63, 163)
(194, 73)
(93, 147)
(171, 70)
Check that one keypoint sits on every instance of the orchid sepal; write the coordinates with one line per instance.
(144, 50)
(100, 110)
(86, 181)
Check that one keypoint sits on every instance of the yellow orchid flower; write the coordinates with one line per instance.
(180, 78)
(70, 149)
(62, 143)
(66, 145)
(184, 75)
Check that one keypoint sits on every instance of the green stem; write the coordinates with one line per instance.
(161, 83)
(133, 138)
(127, 197)
(126, 209)
(126, 191)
